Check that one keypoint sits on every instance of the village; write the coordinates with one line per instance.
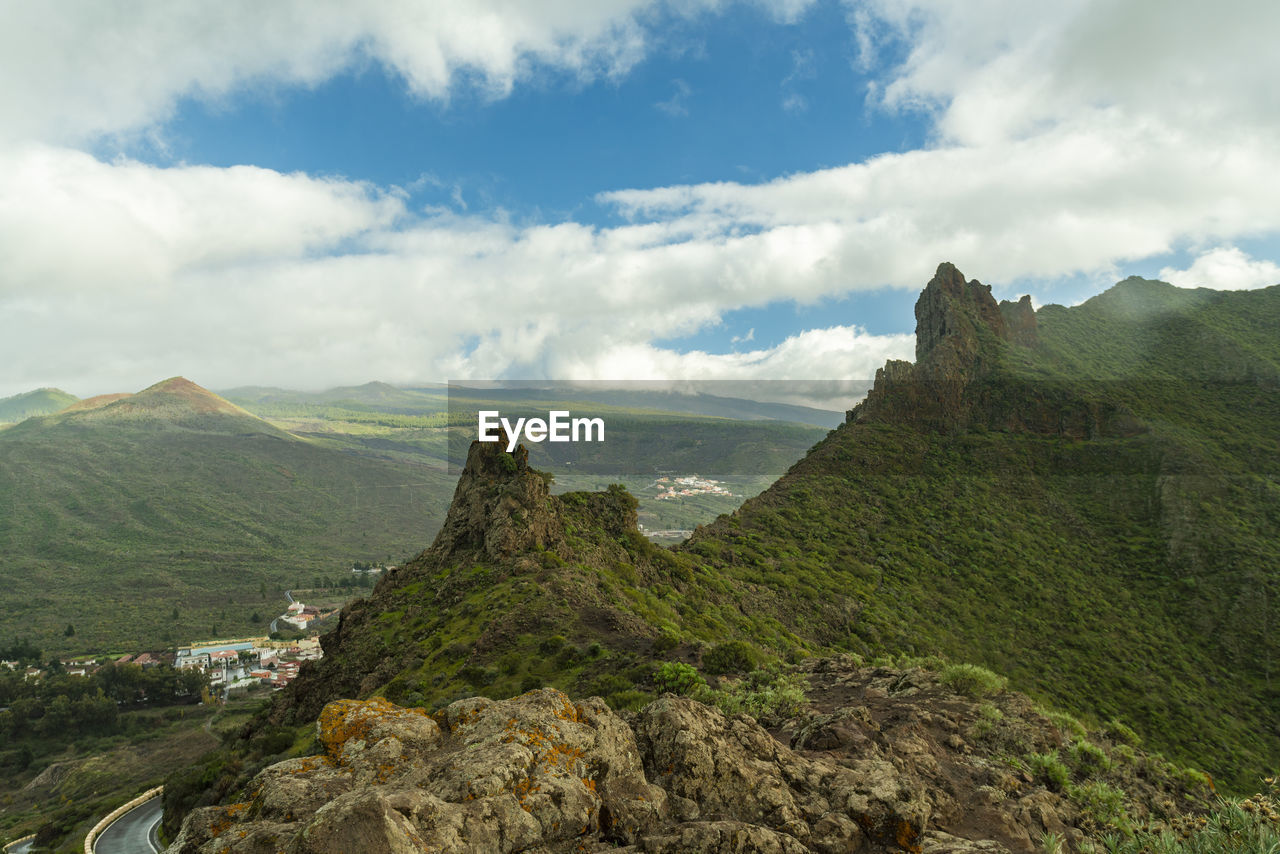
(231, 664)
(680, 487)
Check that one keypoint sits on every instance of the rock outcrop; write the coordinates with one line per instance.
(959, 379)
(500, 507)
(884, 760)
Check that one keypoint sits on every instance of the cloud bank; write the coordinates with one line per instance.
(1066, 140)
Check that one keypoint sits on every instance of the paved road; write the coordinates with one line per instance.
(289, 595)
(133, 832)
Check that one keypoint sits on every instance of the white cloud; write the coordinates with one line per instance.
(1225, 268)
(999, 69)
(69, 222)
(1069, 138)
(73, 70)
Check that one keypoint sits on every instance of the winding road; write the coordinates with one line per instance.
(134, 832)
(288, 595)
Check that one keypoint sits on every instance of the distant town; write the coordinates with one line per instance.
(231, 664)
(680, 487)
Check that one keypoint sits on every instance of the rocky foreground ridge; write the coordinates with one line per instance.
(881, 759)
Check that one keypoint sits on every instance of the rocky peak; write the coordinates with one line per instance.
(962, 334)
(501, 506)
(1020, 321)
(959, 332)
(952, 311)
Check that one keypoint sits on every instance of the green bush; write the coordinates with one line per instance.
(678, 678)
(551, 645)
(1068, 725)
(768, 695)
(1049, 770)
(730, 657)
(972, 680)
(985, 723)
(629, 699)
(1121, 734)
(1102, 805)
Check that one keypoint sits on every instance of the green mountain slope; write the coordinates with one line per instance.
(42, 401)
(173, 513)
(1084, 499)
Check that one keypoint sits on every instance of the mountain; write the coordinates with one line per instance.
(172, 514)
(42, 401)
(1082, 498)
(175, 403)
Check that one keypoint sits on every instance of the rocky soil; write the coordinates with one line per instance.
(882, 759)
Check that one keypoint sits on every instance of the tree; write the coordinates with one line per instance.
(255, 617)
(70, 631)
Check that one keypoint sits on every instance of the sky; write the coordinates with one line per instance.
(312, 193)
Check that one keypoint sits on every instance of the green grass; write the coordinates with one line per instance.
(112, 528)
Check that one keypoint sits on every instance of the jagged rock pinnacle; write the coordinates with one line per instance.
(960, 333)
(951, 309)
(500, 507)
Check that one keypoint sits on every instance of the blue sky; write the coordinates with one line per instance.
(320, 193)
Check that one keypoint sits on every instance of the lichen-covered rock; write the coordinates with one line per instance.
(733, 769)
(884, 760)
(479, 776)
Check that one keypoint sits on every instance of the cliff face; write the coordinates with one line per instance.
(959, 381)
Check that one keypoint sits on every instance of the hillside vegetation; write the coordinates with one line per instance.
(173, 514)
(42, 401)
(1032, 495)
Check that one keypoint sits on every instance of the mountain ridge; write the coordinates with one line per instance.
(994, 482)
(1108, 545)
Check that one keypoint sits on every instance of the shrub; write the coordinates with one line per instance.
(530, 683)
(1087, 758)
(477, 675)
(678, 678)
(1069, 726)
(730, 657)
(630, 699)
(666, 640)
(972, 680)
(985, 723)
(1101, 804)
(551, 645)
(1048, 769)
(1121, 734)
(767, 695)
